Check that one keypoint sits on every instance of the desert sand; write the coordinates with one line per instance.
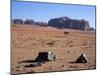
(27, 41)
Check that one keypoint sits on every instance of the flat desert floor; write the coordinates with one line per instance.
(27, 41)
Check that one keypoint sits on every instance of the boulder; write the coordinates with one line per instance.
(45, 56)
(82, 59)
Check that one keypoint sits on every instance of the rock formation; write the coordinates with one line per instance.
(45, 56)
(66, 22)
(82, 59)
(17, 21)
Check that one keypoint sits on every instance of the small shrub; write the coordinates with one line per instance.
(66, 32)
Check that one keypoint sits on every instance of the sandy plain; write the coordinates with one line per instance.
(27, 41)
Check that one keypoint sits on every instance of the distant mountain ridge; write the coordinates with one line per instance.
(60, 22)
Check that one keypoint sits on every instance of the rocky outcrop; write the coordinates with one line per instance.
(45, 56)
(82, 59)
(66, 22)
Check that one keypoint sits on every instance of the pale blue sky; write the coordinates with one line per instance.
(45, 11)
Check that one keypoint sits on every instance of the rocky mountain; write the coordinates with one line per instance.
(66, 22)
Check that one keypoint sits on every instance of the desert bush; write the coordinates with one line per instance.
(66, 32)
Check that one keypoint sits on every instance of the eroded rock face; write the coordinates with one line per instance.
(66, 22)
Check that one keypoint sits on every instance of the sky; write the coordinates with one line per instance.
(45, 11)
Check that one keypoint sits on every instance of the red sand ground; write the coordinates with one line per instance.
(28, 41)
